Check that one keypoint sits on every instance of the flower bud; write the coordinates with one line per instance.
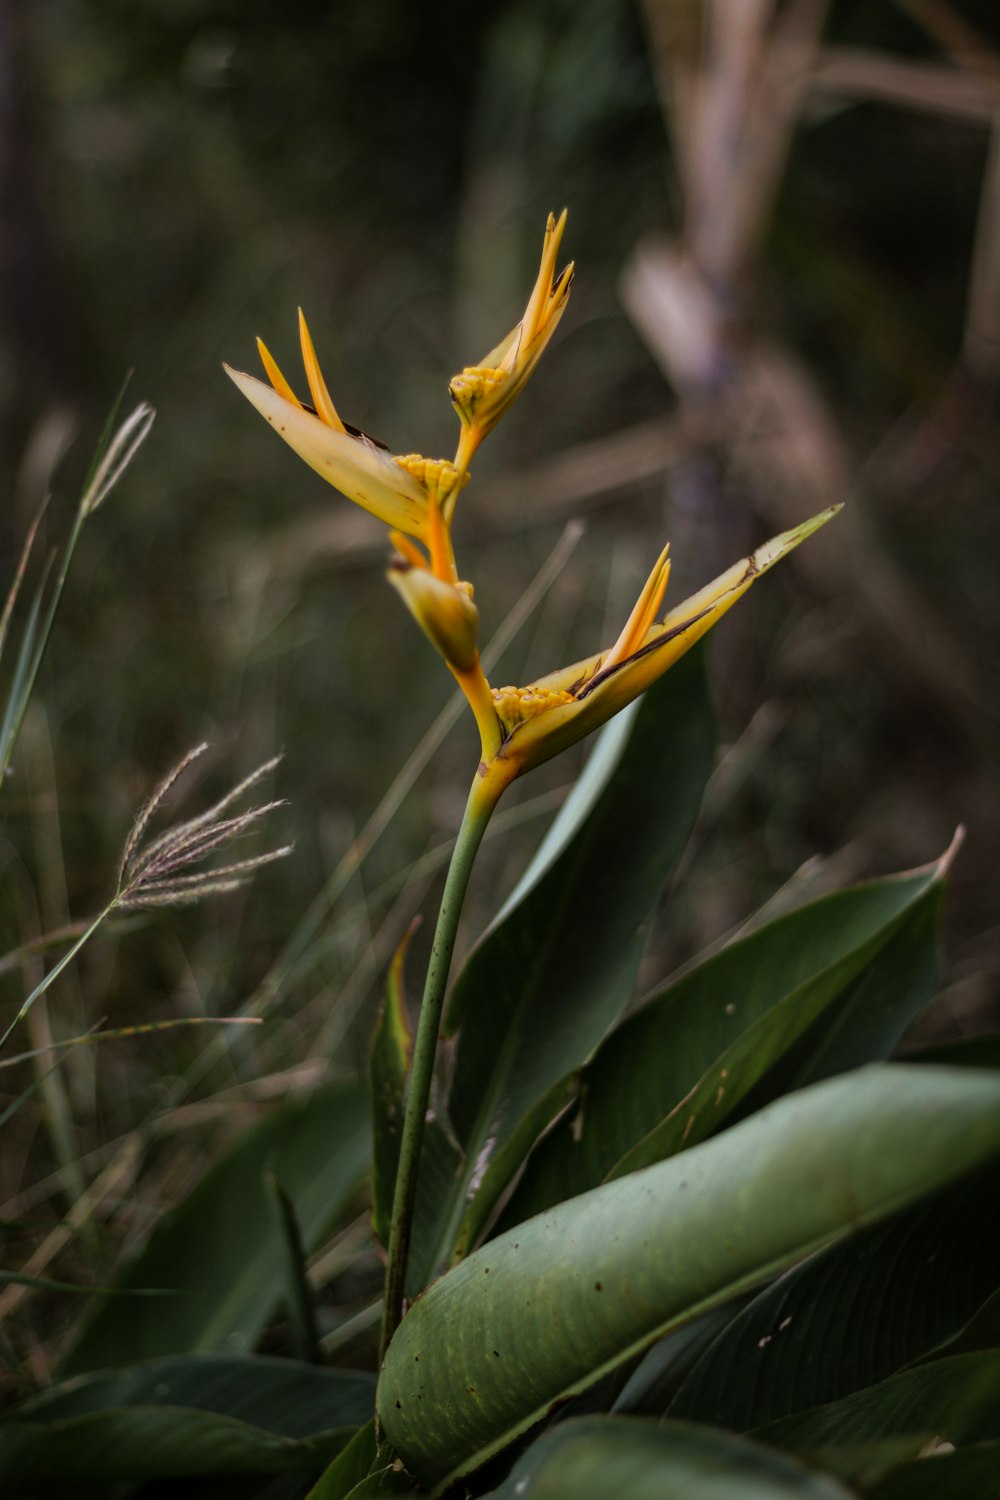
(444, 611)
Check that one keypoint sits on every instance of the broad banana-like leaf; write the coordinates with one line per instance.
(854, 1314)
(956, 1399)
(183, 1416)
(595, 1457)
(548, 1308)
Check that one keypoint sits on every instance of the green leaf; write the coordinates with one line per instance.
(284, 1396)
(388, 1068)
(220, 1251)
(854, 1314)
(361, 1471)
(969, 1474)
(894, 986)
(674, 1070)
(353, 1464)
(863, 1464)
(142, 1442)
(547, 1309)
(297, 1291)
(870, 1021)
(595, 1457)
(656, 1378)
(559, 963)
(957, 1399)
(202, 1414)
(982, 1331)
(440, 1165)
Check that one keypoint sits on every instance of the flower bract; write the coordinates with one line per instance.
(482, 393)
(548, 715)
(397, 490)
(444, 611)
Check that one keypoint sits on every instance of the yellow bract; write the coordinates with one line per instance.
(444, 611)
(519, 727)
(547, 716)
(482, 393)
(395, 490)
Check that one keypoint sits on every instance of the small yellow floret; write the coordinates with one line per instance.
(474, 383)
(437, 475)
(514, 705)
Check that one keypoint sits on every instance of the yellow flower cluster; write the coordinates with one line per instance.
(415, 496)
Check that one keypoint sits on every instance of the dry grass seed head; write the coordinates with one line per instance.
(150, 873)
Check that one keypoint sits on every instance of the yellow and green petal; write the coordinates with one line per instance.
(553, 713)
(355, 466)
(481, 393)
(444, 611)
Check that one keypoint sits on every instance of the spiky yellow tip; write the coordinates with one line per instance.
(325, 408)
(643, 614)
(481, 393)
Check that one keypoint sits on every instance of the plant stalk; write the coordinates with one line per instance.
(482, 800)
(63, 963)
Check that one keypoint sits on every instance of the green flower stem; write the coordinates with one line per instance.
(479, 808)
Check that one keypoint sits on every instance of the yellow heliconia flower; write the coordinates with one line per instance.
(398, 490)
(540, 720)
(443, 607)
(482, 393)
(444, 610)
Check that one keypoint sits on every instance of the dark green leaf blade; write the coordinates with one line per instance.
(219, 1251)
(549, 1308)
(956, 1399)
(388, 1068)
(968, 1474)
(559, 965)
(856, 1313)
(297, 1291)
(982, 1331)
(884, 984)
(283, 1396)
(719, 1028)
(186, 1415)
(361, 1472)
(596, 1457)
(142, 1442)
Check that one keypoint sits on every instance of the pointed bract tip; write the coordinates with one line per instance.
(778, 546)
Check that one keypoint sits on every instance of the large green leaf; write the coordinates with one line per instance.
(898, 977)
(221, 1250)
(854, 1314)
(982, 1331)
(552, 1306)
(956, 1399)
(660, 1372)
(968, 1474)
(559, 963)
(673, 1071)
(185, 1415)
(596, 1457)
(163, 1442)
